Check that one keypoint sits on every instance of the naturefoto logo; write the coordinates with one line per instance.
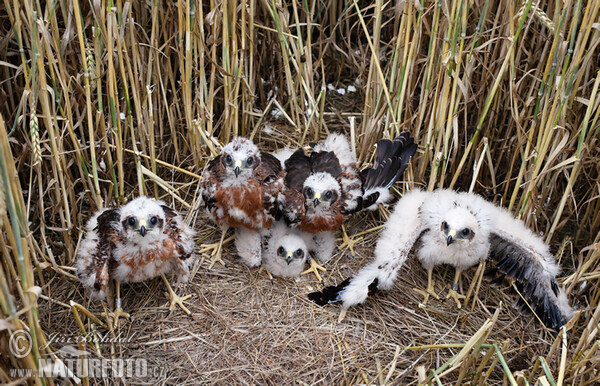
(70, 362)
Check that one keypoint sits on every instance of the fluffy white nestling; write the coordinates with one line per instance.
(286, 250)
(460, 229)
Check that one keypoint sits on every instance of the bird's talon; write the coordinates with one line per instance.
(113, 317)
(214, 251)
(456, 296)
(314, 268)
(348, 242)
(175, 299)
(216, 258)
(270, 276)
(430, 291)
(425, 297)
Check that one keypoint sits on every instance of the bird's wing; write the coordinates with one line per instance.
(270, 166)
(327, 162)
(401, 231)
(95, 256)
(390, 163)
(178, 231)
(297, 170)
(533, 269)
(210, 182)
(108, 225)
(270, 174)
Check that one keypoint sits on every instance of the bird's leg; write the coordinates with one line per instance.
(452, 293)
(174, 298)
(347, 241)
(430, 291)
(268, 273)
(113, 317)
(216, 249)
(314, 268)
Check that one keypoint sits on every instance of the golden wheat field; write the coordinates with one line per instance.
(101, 102)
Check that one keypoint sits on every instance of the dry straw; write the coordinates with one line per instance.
(103, 101)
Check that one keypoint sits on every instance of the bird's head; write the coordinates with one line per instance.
(239, 158)
(321, 190)
(291, 248)
(458, 227)
(142, 219)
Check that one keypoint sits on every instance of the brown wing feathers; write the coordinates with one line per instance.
(101, 259)
(174, 233)
(298, 169)
(325, 162)
(270, 173)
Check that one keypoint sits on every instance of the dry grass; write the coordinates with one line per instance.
(101, 103)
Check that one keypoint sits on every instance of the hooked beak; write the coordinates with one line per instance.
(317, 200)
(288, 257)
(237, 165)
(143, 224)
(451, 237)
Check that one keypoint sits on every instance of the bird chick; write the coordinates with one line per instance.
(460, 229)
(138, 241)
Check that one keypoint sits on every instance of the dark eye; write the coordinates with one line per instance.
(280, 251)
(328, 195)
(299, 253)
(445, 226)
(228, 159)
(131, 221)
(249, 161)
(465, 232)
(309, 192)
(153, 220)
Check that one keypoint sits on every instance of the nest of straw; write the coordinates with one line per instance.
(103, 103)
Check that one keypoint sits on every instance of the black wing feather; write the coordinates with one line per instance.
(213, 165)
(325, 161)
(270, 163)
(538, 288)
(297, 170)
(390, 162)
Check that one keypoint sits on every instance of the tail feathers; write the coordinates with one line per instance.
(390, 163)
(538, 289)
(332, 294)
